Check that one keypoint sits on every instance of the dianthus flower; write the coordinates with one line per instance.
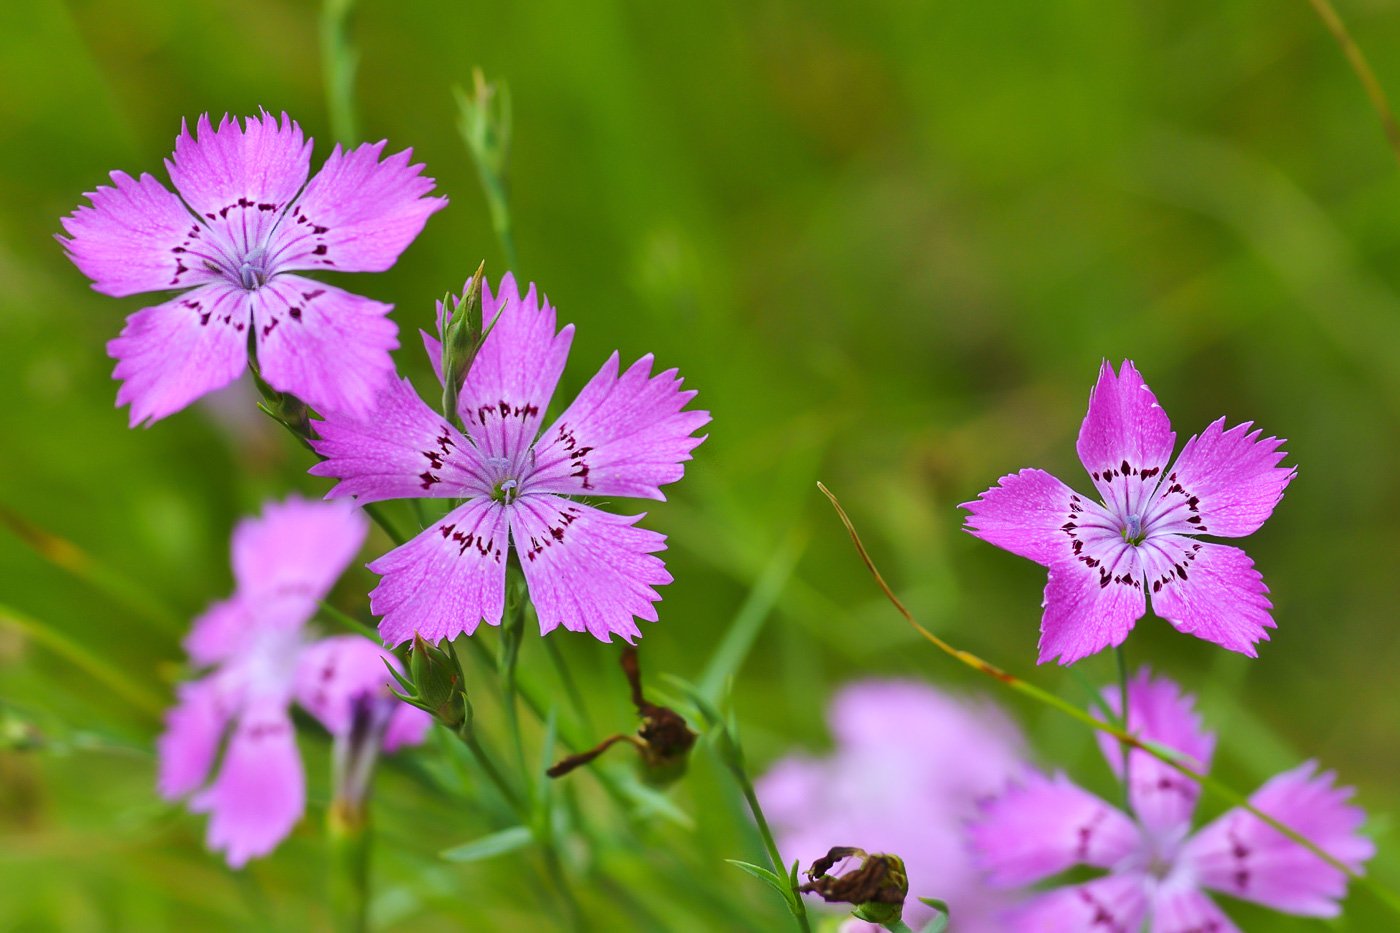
(260, 662)
(586, 569)
(909, 765)
(248, 220)
(1158, 872)
(1104, 558)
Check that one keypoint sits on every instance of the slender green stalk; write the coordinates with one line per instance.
(493, 774)
(1369, 83)
(338, 64)
(61, 644)
(512, 633)
(67, 556)
(1122, 657)
(1044, 697)
(484, 120)
(570, 685)
(350, 622)
(348, 831)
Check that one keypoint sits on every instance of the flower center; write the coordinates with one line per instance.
(506, 487)
(1133, 530)
(252, 273)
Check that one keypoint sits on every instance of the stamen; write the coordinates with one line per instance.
(1132, 533)
(252, 273)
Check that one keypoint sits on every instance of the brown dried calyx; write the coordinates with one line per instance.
(878, 885)
(663, 741)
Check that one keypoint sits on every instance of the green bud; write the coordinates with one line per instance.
(435, 684)
(461, 339)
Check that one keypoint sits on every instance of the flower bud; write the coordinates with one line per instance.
(877, 886)
(436, 684)
(460, 340)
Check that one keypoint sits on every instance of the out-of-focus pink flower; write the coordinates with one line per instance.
(909, 766)
(626, 434)
(248, 220)
(284, 563)
(1105, 557)
(1158, 872)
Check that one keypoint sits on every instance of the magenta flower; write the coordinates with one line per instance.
(909, 765)
(248, 220)
(260, 663)
(587, 570)
(1158, 872)
(1104, 558)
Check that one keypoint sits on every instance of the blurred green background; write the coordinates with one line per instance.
(888, 242)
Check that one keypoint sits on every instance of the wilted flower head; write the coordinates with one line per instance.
(1158, 872)
(248, 220)
(1105, 557)
(588, 570)
(259, 663)
(909, 765)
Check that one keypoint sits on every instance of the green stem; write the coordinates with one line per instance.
(1328, 14)
(350, 622)
(566, 679)
(61, 644)
(493, 774)
(1384, 894)
(1122, 657)
(338, 64)
(350, 840)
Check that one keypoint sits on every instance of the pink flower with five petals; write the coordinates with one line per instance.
(248, 220)
(1104, 558)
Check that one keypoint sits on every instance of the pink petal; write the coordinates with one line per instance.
(622, 436)
(333, 672)
(136, 237)
(1159, 712)
(296, 547)
(241, 179)
(407, 726)
(1126, 440)
(1224, 483)
(219, 632)
(194, 728)
(587, 570)
(515, 371)
(260, 792)
(401, 450)
(357, 214)
(1184, 909)
(1239, 854)
(323, 344)
(446, 581)
(173, 353)
(1208, 590)
(1091, 602)
(1041, 826)
(1115, 904)
(1026, 513)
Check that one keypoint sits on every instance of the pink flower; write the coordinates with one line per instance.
(587, 570)
(1104, 558)
(248, 219)
(909, 765)
(283, 563)
(1158, 872)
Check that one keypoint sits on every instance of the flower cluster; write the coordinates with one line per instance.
(259, 662)
(1160, 873)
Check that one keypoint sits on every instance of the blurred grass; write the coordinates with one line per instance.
(889, 244)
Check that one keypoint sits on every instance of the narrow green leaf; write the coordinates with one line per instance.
(498, 843)
(764, 875)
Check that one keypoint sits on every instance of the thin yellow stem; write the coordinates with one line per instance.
(1357, 59)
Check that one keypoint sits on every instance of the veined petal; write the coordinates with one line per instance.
(296, 547)
(241, 179)
(357, 214)
(587, 570)
(514, 374)
(326, 346)
(333, 672)
(1091, 602)
(137, 237)
(447, 580)
(173, 353)
(1239, 854)
(623, 436)
(1043, 825)
(1115, 904)
(1208, 590)
(194, 727)
(1159, 712)
(1178, 908)
(1224, 483)
(261, 790)
(1125, 440)
(401, 450)
(1032, 514)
